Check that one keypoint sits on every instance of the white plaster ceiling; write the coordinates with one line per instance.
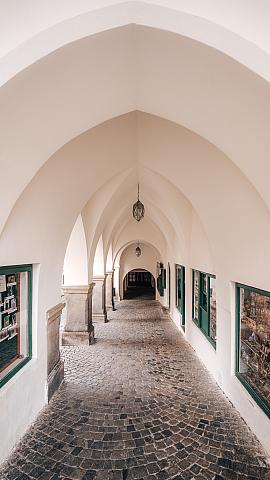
(100, 77)
(32, 29)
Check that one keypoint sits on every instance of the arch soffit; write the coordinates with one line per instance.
(263, 193)
(211, 27)
(121, 250)
(116, 223)
(190, 133)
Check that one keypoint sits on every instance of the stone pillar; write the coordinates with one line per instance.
(109, 291)
(55, 367)
(99, 299)
(116, 280)
(78, 329)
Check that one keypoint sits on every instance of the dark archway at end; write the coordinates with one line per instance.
(139, 283)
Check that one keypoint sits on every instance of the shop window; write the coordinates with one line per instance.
(253, 343)
(180, 291)
(204, 303)
(15, 319)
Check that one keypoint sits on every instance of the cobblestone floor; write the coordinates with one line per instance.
(137, 404)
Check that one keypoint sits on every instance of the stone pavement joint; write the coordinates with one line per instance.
(138, 404)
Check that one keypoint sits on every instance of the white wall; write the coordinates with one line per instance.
(76, 259)
(67, 93)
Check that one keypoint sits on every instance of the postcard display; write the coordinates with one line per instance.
(13, 320)
(253, 363)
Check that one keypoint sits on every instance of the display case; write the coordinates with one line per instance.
(161, 279)
(15, 319)
(253, 342)
(195, 296)
(204, 308)
(180, 291)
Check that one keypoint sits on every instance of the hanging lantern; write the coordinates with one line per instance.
(138, 251)
(138, 209)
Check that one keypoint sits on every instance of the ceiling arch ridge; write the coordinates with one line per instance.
(157, 216)
(129, 228)
(200, 26)
(41, 192)
(175, 216)
(230, 134)
(95, 209)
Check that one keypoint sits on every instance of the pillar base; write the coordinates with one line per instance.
(55, 379)
(100, 318)
(78, 338)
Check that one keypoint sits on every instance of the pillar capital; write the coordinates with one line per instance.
(99, 278)
(55, 312)
(78, 289)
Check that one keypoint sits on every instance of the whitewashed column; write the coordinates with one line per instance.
(99, 299)
(55, 367)
(116, 280)
(109, 291)
(78, 329)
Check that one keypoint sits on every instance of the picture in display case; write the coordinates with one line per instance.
(9, 319)
(253, 342)
(15, 319)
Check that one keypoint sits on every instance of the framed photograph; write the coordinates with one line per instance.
(10, 291)
(3, 283)
(13, 304)
(11, 279)
(6, 321)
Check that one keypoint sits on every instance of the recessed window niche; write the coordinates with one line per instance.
(253, 343)
(15, 319)
(180, 292)
(204, 312)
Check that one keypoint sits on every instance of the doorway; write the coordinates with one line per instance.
(139, 283)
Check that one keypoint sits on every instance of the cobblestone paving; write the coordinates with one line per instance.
(137, 404)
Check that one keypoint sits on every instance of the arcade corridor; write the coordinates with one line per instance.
(139, 284)
(138, 404)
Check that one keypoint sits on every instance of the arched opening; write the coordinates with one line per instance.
(139, 283)
(148, 126)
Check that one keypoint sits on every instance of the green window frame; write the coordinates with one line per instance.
(161, 279)
(17, 360)
(169, 285)
(257, 361)
(180, 293)
(204, 304)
